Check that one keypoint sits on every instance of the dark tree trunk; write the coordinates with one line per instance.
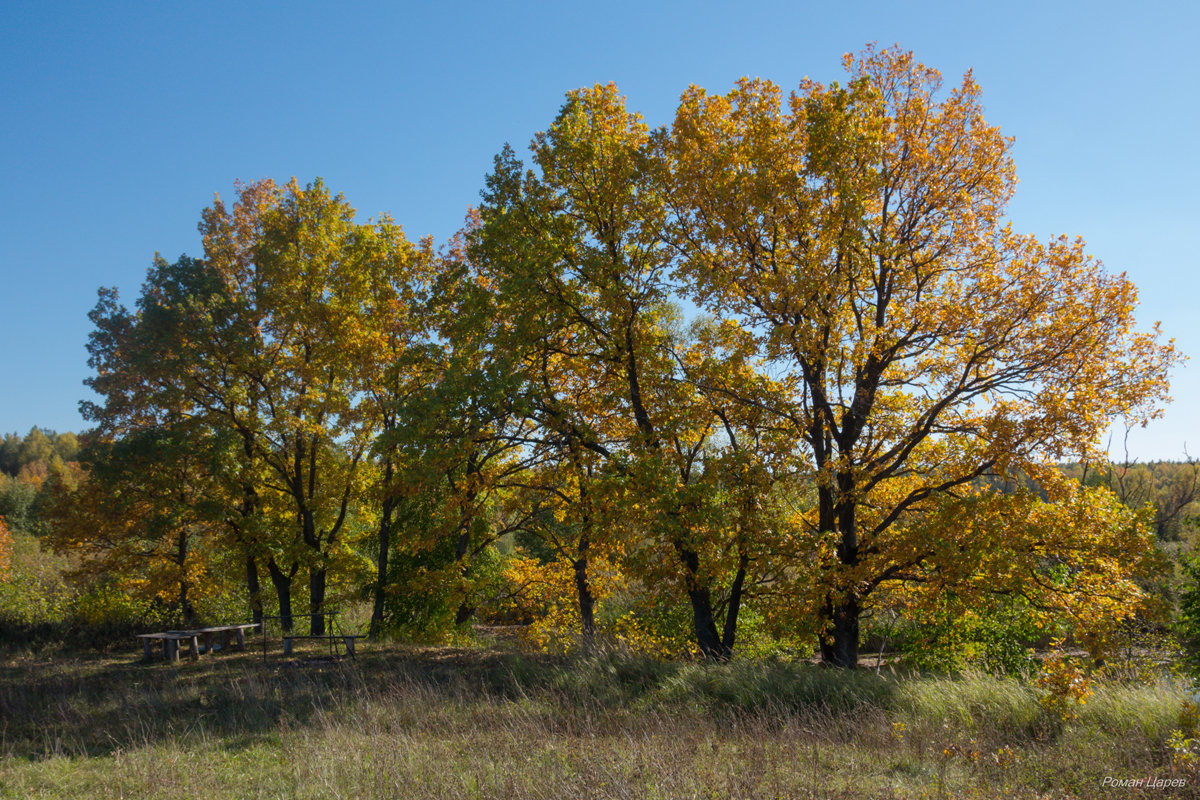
(839, 647)
(587, 601)
(254, 590)
(705, 623)
(283, 588)
(381, 559)
(316, 600)
(583, 587)
(463, 545)
(465, 609)
(729, 634)
(839, 640)
(185, 606)
(381, 570)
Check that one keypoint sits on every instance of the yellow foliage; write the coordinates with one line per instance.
(1064, 686)
(856, 234)
(546, 595)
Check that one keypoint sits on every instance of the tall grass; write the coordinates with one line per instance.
(424, 723)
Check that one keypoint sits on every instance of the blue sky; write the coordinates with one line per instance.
(121, 120)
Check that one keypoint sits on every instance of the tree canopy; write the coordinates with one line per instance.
(773, 359)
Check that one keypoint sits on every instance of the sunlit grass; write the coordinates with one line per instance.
(461, 723)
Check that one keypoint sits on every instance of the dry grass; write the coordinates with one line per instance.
(406, 722)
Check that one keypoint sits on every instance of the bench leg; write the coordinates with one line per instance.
(171, 650)
(241, 639)
(194, 653)
(146, 652)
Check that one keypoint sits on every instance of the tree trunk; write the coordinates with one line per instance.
(839, 640)
(254, 590)
(839, 645)
(381, 569)
(185, 606)
(705, 624)
(704, 621)
(381, 559)
(316, 600)
(283, 588)
(587, 601)
(729, 634)
(463, 545)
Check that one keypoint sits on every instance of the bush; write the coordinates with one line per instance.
(997, 640)
(1187, 624)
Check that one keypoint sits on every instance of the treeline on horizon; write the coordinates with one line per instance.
(863, 423)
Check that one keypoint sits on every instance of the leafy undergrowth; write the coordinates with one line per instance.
(410, 722)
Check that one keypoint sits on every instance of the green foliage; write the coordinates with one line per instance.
(36, 591)
(104, 607)
(1187, 624)
(421, 596)
(39, 606)
(18, 503)
(39, 446)
(30, 468)
(998, 640)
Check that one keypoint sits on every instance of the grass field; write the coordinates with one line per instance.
(489, 722)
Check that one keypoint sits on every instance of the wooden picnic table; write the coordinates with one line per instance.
(171, 639)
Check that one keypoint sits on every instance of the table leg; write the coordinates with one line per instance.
(146, 653)
(241, 639)
(171, 650)
(194, 653)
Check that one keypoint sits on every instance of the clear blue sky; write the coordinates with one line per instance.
(121, 120)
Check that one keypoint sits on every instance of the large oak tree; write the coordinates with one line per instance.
(856, 233)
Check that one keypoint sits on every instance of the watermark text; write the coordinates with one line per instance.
(1149, 782)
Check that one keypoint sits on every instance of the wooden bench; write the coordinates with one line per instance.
(347, 640)
(328, 621)
(171, 639)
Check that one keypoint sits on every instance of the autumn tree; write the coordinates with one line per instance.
(856, 233)
(146, 515)
(264, 345)
(579, 272)
(396, 357)
(463, 448)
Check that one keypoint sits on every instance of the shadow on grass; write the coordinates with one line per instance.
(97, 704)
